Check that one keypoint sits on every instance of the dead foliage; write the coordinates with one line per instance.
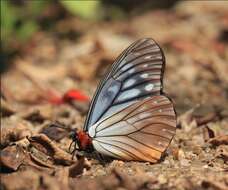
(34, 152)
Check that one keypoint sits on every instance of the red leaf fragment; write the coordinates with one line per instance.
(69, 96)
(75, 95)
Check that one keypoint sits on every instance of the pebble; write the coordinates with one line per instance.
(184, 162)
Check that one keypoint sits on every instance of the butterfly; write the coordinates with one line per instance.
(130, 118)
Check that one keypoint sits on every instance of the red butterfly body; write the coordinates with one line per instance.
(84, 139)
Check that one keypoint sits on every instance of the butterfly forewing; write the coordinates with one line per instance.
(142, 131)
(135, 75)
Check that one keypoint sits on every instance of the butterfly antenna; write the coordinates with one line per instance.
(69, 149)
(74, 143)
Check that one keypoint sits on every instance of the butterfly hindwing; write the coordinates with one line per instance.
(141, 131)
(136, 74)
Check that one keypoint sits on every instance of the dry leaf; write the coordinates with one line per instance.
(55, 132)
(45, 145)
(219, 140)
(13, 130)
(208, 133)
(222, 152)
(12, 157)
(78, 168)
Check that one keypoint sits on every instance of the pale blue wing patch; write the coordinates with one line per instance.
(135, 75)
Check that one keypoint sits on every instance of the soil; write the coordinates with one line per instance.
(36, 122)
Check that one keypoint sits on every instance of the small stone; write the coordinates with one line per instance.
(184, 162)
(181, 154)
(162, 179)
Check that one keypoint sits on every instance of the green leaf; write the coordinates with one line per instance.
(8, 20)
(85, 9)
(36, 7)
(26, 30)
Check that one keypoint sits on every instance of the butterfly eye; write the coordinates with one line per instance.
(130, 118)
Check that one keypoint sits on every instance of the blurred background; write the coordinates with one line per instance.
(53, 55)
(21, 19)
(72, 37)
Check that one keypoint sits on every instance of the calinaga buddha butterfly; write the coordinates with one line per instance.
(130, 118)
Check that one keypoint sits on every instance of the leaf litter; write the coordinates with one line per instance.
(34, 151)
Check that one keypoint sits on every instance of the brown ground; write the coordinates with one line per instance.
(35, 155)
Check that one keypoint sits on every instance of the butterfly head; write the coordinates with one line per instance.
(82, 141)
